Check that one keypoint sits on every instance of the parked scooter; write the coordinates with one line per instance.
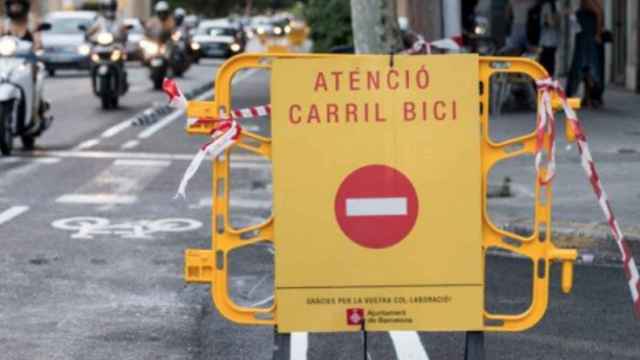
(20, 90)
(108, 73)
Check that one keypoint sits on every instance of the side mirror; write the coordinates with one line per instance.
(45, 26)
(82, 27)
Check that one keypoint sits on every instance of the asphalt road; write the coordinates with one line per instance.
(93, 243)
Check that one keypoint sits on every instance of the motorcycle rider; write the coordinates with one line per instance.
(17, 25)
(162, 25)
(108, 22)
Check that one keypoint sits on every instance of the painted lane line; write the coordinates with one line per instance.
(130, 145)
(262, 302)
(116, 184)
(408, 346)
(98, 199)
(258, 161)
(136, 162)
(299, 345)
(87, 144)
(150, 131)
(391, 206)
(12, 213)
(116, 129)
(47, 161)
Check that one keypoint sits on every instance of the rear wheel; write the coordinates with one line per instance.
(106, 102)
(115, 102)
(6, 137)
(28, 142)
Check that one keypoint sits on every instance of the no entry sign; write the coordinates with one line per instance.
(377, 193)
(376, 206)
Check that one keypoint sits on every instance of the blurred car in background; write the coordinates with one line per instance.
(135, 35)
(219, 38)
(281, 26)
(261, 26)
(65, 45)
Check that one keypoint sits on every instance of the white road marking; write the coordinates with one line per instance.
(116, 129)
(136, 162)
(151, 130)
(251, 128)
(299, 345)
(85, 227)
(390, 206)
(130, 145)
(250, 160)
(48, 161)
(408, 346)
(12, 213)
(98, 199)
(117, 184)
(87, 144)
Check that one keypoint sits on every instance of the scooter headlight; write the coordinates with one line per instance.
(8, 47)
(150, 48)
(105, 38)
(235, 47)
(287, 29)
(176, 36)
(116, 55)
(84, 49)
(95, 58)
(195, 46)
(277, 30)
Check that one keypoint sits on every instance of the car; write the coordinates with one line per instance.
(135, 35)
(261, 26)
(65, 45)
(219, 38)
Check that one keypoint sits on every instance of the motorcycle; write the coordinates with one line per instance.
(108, 73)
(19, 92)
(163, 57)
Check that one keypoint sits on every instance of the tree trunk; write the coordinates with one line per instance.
(375, 26)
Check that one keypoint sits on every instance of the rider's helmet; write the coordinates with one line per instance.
(109, 8)
(162, 10)
(17, 9)
(179, 14)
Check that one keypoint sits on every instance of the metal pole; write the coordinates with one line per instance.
(474, 346)
(281, 345)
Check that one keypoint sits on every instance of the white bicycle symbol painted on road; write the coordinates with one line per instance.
(86, 227)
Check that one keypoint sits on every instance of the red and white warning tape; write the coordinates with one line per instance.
(546, 122)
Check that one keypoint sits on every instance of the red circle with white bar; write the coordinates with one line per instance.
(376, 206)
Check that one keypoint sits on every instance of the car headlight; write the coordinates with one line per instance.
(235, 47)
(260, 31)
(195, 46)
(8, 46)
(84, 49)
(116, 55)
(480, 30)
(287, 29)
(277, 30)
(105, 38)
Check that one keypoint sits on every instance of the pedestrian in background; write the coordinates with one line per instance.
(518, 12)
(549, 34)
(588, 54)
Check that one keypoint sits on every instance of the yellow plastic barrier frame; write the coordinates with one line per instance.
(210, 266)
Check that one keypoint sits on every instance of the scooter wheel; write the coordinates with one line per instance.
(6, 137)
(28, 142)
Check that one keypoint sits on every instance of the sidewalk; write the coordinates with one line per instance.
(613, 133)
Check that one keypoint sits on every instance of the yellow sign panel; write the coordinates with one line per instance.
(377, 193)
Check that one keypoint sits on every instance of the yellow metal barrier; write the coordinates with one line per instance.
(210, 266)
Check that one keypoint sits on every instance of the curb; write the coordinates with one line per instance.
(588, 256)
(156, 112)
